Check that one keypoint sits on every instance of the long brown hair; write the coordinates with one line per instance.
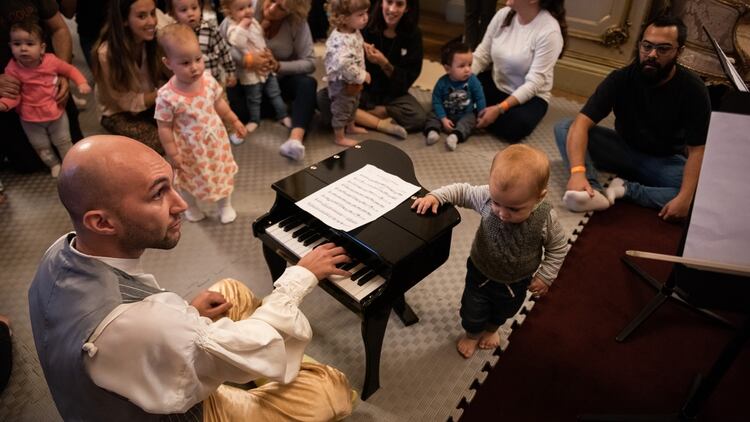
(556, 8)
(122, 57)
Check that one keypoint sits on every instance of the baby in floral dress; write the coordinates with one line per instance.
(189, 112)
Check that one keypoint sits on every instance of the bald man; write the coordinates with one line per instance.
(115, 346)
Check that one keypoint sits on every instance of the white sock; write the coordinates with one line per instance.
(286, 121)
(293, 149)
(432, 137)
(251, 127)
(227, 214)
(615, 190)
(451, 141)
(580, 201)
(236, 139)
(392, 128)
(193, 213)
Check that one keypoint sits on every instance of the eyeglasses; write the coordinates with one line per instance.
(661, 49)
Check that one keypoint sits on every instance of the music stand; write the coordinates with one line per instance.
(735, 102)
(702, 278)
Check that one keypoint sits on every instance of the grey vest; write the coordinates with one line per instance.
(507, 252)
(69, 297)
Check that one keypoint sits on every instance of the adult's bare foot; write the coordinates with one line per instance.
(466, 346)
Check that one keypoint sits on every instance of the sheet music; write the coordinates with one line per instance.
(358, 198)
(719, 228)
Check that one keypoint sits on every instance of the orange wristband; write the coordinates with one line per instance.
(248, 60)
(577, 169)
(504, 106)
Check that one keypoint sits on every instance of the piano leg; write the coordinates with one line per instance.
(373, 331)
(404, 311)
(276, 264)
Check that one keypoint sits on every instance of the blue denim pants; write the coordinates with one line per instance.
(652, 180)
(254, 98)
(486, 304)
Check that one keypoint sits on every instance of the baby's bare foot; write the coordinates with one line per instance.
(489, 340)
(346, 142)
(466, 346)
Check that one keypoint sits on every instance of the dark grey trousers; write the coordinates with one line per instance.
(462, 126)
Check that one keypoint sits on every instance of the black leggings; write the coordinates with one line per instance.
(6, 356)
(520, 120)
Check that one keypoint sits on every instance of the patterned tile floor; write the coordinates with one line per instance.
(422, 376)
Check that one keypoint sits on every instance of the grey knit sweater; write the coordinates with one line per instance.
(508, 252)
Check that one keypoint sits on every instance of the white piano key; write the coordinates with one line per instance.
(349, 286)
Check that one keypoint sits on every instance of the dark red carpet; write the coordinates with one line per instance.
(564, 360)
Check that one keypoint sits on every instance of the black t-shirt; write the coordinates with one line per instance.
(13, 11)
(659, 120)
(405, 54)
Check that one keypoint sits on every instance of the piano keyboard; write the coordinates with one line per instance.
(300, 238)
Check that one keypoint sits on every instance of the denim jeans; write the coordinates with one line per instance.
(651, 180)
(486, 304)
(254, 97)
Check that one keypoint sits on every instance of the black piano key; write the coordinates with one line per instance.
(362, 271)
(349, 265)
(292, 222)
(287, 221)
(312, 239)
(367, 277)
(306, 238)
(300, 231)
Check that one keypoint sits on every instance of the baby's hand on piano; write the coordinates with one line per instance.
(322, 261)
(427, 202)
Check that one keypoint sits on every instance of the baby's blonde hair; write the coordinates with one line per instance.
(520, 164)
(175, 33)
(338, 10)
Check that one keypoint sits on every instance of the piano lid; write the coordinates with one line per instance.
(400, 230)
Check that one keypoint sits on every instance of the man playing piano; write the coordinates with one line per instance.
(115, 346)
(519, 244)
(661, 121)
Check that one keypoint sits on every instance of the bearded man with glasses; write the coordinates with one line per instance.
(661, 112)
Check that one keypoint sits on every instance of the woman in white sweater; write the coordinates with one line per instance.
(515, 63)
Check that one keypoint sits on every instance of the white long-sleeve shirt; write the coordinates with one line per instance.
(164, 357)
(345, 57)
(522, 57)
(247, 40)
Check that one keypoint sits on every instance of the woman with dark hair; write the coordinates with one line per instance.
(393, 49)
(128, 71)
(522, 45)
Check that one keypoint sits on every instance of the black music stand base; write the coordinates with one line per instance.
(665, 291)
(702, 388)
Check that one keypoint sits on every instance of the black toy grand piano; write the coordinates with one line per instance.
(389, 255)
